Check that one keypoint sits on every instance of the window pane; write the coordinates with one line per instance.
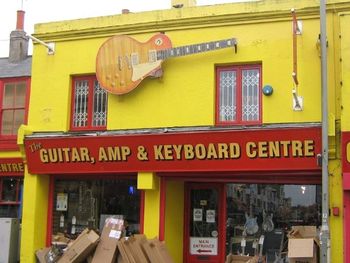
(270, 210)
(9, 190)
(20, 95)
(90, 201)
(80, 116)
(250, 95)
(227, 96)
(9, 96)
(100, 106)
(19, 119)
(7, 122)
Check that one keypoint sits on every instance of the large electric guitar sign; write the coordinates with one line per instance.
(123, 62)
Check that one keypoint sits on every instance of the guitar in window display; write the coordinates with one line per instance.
(122, 62)
(251, 225)
(267, 224)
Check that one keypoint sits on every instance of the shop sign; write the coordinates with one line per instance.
(11, 166)
(204, 245)
(248, 150)
(346, 159)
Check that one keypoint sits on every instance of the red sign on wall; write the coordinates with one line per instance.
(11, 167)
(345, 138)
(238, 150)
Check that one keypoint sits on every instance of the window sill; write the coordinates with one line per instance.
(9, 203)
(8, 144)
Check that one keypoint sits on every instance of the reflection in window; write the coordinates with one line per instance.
(89, 202)
(10, 196)
(271, 210)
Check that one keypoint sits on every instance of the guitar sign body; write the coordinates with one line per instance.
(123, 62)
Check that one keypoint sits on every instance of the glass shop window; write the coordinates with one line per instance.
(79, 204)
(10, 196)
(260, 216)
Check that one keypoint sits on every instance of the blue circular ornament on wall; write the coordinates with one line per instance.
(267, 90)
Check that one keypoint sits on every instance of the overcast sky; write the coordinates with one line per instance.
(40, 11)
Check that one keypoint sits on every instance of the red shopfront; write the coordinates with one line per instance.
(346, 194)
(229, 177)
(11, 181)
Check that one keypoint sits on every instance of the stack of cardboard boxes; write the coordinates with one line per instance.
(110, 247)
(303, 244)
(303, 247)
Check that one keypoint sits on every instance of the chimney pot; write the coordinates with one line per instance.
(20, 20)
(183, 3)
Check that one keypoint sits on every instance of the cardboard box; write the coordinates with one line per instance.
(302, 250)
(126, 256)
(80, 248)
(143, 242)
(133, 247)
(303, 232)
(240, 259)
(41, 253)
(160, 250)
(107, 247)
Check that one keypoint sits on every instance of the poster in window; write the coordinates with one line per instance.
(62, 202)
(197, 214)
(210, 216)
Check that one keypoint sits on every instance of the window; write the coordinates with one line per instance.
(89, 106)
(91, 201)
(292, 205)
(13, 108)
(10, 196)
(238, 94)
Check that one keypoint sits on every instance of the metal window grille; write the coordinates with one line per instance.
(250, 95)
(227, 100)
(80, 117)
(90, 104)
(100, 106)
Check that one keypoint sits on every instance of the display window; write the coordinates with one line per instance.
(259, 216)
(80, 204)
(10, 196)
(246, 219)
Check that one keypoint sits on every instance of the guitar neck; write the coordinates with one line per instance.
(196, 48)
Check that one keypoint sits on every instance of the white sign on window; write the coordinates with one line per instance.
(210, 216)
(203, 245)
(62, 202)
(197, 214)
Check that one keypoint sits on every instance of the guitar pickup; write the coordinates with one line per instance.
(152, 56)
(134, 59)
(120, 63)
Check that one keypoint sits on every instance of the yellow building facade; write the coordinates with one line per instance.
(173, 133)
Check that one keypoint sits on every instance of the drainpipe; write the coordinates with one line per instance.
(324, 235)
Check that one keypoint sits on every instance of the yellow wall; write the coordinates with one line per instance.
(34, 215)
(185, 94)
(151, 213)
(187, 81)
(174, 219)
(345, 70)
(10, 155)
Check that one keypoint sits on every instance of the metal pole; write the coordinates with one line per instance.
(324, 235)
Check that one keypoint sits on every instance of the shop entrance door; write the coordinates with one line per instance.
(204, 228)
